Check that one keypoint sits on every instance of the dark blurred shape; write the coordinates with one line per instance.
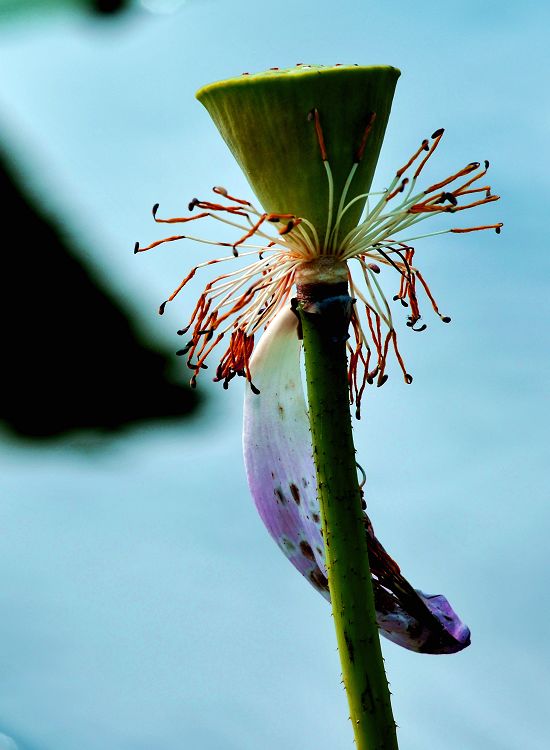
(71, 358)
(22, 9)
(109, 6)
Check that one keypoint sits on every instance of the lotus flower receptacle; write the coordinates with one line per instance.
(267, 121)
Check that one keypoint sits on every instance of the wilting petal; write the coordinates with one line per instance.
(277, 450)
(281, 476)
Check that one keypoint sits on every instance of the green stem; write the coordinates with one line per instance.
(324, 312)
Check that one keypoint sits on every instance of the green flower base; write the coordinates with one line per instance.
(266, 121)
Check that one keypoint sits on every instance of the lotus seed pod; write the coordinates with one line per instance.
(284, 127)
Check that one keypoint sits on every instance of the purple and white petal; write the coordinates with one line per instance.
(277, 450)
(281, 475)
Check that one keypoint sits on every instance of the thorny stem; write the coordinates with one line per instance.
(324, 311)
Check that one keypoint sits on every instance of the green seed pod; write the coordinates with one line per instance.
(288, 128)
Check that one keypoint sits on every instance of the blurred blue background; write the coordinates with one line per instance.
(143, 604)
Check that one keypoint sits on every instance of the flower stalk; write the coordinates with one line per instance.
(325, 311)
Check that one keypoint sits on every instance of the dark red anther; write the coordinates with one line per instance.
(186, 348)
(445, 319)
(314, 115)
(289, 227)
(451, 198)
(154, 211)
(373, 267)
(438, 133)
(136, 248)
(371, 117)
(162, 306)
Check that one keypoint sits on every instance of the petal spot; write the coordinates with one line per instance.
(287, 545)
(306, 550)
(280, 496)
(295, 492)
(318, 579)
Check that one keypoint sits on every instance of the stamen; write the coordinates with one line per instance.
(496, 227)
(314, 115)
(382, 377)
(481, 202)
(371, 117)
(412, 322)
(138, 249)
(436, 138)
(408, 378)
(423, 147)
(250, 233)
(461, 173)
(363, 475)
(398, 190)
(444, 318)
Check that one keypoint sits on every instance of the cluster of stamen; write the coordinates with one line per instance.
(241, 303)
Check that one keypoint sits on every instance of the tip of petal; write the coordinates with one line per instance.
(454, 635)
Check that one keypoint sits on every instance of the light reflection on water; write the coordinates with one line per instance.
(163, 6)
